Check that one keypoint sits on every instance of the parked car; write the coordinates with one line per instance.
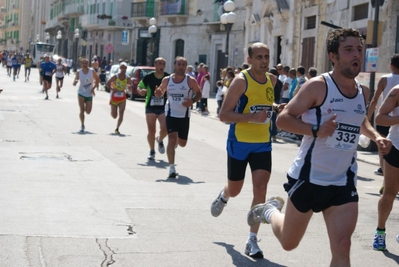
(114, 70)
(136, 74)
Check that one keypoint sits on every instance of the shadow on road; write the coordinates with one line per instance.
(240, 260)
(365, 179)
(155, 163)
(184, 180)
(391, 256)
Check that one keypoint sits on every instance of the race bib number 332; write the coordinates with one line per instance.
(345, 137)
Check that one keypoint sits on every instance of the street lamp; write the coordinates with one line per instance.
(228, 20)
(59, 37)
(153, 30)
(47, 37)
(76, 36)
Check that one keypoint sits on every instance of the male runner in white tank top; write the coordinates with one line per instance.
(388, 115)
(386, 83)
(322, 177)
(182, 91)
(86, 77)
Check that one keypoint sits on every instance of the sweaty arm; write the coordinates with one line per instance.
(192, 83)
(311, 94)
(227, 113)
(110, 81)
(390, 103)
(96, 80)
(380, 88)
(75, 81)
(161, 89)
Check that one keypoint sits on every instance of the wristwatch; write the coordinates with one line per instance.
(315, 129)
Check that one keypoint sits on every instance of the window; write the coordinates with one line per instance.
(179, 48)
(310, 22)
(360, 12)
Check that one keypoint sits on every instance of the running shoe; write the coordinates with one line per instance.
(252, 249)
(46, 98)
(257, 213)
(82, 129)
(218, 205)
(172, 172)
(117, 132)
(152, 155)
(379, 240)
(161, 146)
(378, 171)
(57, 96)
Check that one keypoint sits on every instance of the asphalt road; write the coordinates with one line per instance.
(93, 199)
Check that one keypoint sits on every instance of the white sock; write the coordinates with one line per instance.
(252, 235)
(172, 168)
(268, 214)
(224, 199)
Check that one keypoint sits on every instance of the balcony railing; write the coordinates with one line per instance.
(90, 20)
(52, 22)
(173, 7)
(143, 10)
(114, 22)
(73, 9)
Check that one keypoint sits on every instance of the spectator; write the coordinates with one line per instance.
(206, 88)
(219, 96)
(312, 72)
(190, 71)
(286, 85)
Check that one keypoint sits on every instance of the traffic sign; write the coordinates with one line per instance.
(109, 48)
(84, 43)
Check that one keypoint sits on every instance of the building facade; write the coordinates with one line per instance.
(294, 30)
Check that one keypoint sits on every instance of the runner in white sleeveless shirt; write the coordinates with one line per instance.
(182, 91)
(386, 83)
(323, 175)
(59, 75)
(86, 77)
(388, 115)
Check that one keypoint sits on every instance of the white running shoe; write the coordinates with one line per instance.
(252, 249)
(218, 205)
(257, 213)
(161, 147)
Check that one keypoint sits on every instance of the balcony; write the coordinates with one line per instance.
(53, 23)
(90, 21)
(115, 23)
(143, 11)
(174, 10)
(73, 9)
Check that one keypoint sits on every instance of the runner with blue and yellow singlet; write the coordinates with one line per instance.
(118, 84)
(248, 106)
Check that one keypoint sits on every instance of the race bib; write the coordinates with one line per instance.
(48, 73)
(118, 96)
(156, 101)
(258, 108)
(345, 137)
(176, 98)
